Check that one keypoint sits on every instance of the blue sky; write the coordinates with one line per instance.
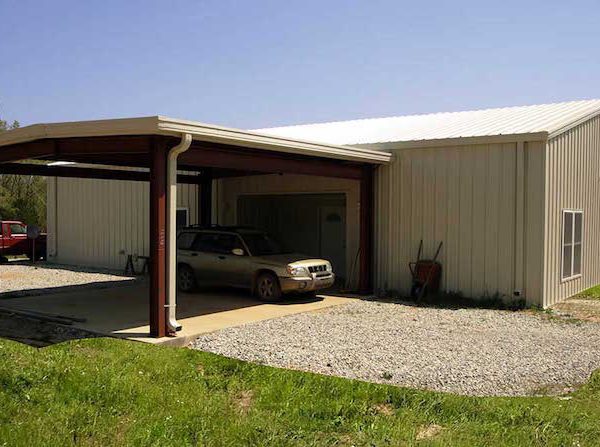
(260, 63)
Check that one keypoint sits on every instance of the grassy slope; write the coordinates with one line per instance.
(593, 293)
(110, 392)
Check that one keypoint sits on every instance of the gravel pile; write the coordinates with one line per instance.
(20, 279)
(465, 351)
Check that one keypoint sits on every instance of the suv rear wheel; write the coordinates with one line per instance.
(186, 281)
(267, 288)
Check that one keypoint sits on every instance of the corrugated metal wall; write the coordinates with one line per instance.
(572, 170)
(478, 201)
(97, 223)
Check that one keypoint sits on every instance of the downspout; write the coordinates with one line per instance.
(172, 324)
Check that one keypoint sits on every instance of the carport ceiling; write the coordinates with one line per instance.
(130, 141)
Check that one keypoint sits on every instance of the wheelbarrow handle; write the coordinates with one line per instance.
(412, 267)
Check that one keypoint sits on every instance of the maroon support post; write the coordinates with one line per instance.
(158, 261)
(365, 282)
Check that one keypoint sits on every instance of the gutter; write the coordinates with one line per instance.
(171, 298)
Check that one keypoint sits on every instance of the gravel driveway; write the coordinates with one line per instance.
(18, 279)
(466, 351)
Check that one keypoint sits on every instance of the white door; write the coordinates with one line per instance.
(333, 237)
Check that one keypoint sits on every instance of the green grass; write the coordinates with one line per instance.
(105, 392)
(593, 293)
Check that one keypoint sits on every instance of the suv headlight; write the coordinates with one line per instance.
(297, 271)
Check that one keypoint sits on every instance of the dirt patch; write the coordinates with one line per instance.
(243, 401)
(429, 431)
(384, 409)
(35, 332)
(580, 309)
(8, 276)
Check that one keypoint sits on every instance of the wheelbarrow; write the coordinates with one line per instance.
(426, 274)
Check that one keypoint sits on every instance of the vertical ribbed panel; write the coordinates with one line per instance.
(573, 177)
(98, 222)
(464, 196)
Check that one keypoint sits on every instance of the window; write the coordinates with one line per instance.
(572, 244)
(184, 241)
(260, 244)
(220, 243)
(18, 229)
(182, 218)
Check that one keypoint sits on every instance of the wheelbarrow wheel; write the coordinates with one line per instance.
(417, 289)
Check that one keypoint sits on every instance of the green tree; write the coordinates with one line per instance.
(22, 197)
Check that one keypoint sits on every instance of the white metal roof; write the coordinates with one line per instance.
(545, 121)
(161, 125)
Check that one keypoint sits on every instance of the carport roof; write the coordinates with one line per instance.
(161, 125)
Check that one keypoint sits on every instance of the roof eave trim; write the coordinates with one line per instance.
(217, 134)
(81, 129)
(159, 125)
(583, 119)
(457, 141)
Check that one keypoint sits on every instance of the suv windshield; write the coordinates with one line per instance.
(260, 244)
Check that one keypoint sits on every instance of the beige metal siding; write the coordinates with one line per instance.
(573, 176)
(97, 223)
(467, 197)
(229, 189)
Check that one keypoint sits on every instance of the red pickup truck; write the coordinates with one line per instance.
(14, 241)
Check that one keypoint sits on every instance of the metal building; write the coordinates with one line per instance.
(512, 193)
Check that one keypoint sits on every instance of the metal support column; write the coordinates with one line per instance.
(365, 282)
(158, 263)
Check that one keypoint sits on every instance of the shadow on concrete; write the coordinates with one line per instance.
(46, 291)
(41, 289)
(123, 310)
(120, 308)
(37, 333)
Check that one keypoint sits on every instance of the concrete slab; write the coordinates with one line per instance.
(123, 311)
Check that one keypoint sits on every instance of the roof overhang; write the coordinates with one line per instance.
(160, 125)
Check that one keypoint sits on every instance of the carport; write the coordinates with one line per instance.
(162, 146)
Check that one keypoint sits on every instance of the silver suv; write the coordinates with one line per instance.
(246, 258)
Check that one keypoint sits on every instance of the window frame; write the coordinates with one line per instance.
(573, 212)
(187, 216)
(19, 233)
(213, 251)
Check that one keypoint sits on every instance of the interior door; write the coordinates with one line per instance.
(333, 237)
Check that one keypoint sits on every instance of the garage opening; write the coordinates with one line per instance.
(311, 224)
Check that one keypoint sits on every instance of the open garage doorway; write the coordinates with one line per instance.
(311, 224)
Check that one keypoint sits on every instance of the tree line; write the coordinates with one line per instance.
(22, 197)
